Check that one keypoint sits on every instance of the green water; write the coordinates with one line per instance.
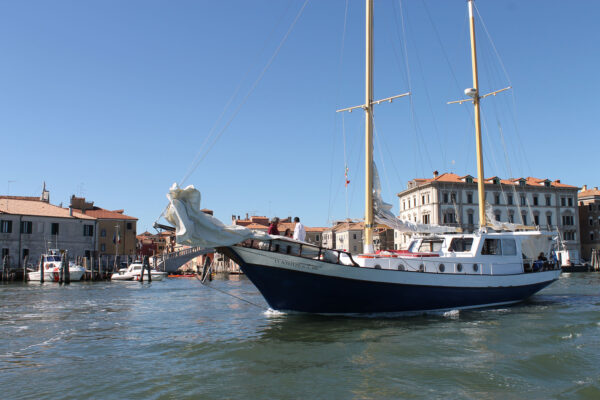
(177, 339)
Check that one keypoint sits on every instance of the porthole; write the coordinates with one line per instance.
(442, 268)
(400, 267)
(422, 268)
(475, 267)
(459, 267)
(377, 266)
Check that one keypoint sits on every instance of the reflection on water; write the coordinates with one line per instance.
(179, 339)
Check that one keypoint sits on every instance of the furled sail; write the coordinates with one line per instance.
(196, 228)
(497, 225)
(384, 216)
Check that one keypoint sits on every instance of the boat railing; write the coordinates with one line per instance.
(304, 250)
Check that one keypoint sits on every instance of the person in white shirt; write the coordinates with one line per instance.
(299, 231)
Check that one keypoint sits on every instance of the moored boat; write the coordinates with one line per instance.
(51, 265)
(134, 272)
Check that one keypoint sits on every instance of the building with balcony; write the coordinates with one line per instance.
(589, 220)
(450, 199)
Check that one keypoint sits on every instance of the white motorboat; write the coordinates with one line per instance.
(51, 264)
(134, 272)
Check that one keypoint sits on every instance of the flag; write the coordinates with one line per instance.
(116, 238)
(346, 176)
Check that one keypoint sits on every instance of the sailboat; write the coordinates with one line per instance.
(442, 270)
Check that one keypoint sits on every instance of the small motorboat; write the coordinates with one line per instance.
(51, 264)
(134, 271)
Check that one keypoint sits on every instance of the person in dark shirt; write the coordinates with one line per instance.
(273, 227)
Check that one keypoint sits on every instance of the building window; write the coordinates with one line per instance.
(4, 253)
(509, 199)
(129, 226)
(453, 197)
(570, 201)
(536, 220)
(592, 236)
(354, 248)
(591, 221)
(103, 233)
(408, 203)
(548, 200)
(317, 238)
(469, 198)
(524, 218)
(449, 218)
(590, 207)
(54, 228)
(5, 226)
(523, 202)
(26, 227)
(102, 247)
(470, 218)
(535, 200)
(404, 205)
(549, 219)
(567, 220)
(445, 198)
(563, 202)
(25, 254)
(88, 230)
(425, 218)
(511, 218)
(498, 216)
(423, 199)
(497, 198)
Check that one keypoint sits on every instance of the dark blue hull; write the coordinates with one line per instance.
(288, 290)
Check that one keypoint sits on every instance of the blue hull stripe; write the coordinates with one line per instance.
(288, 290)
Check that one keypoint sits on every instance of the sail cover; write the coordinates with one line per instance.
(384, 216)
(196, 228)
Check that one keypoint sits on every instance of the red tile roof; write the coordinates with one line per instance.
(17, 205)
(101, 213)
(454, 178)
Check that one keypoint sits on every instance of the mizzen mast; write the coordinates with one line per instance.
(473, 93)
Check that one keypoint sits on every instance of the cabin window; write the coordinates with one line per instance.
(491, 247)
(431, 245)
(509, 247)
(461, 244)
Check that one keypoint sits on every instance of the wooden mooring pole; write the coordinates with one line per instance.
(41, 269)
(25, 261)
(67, 269)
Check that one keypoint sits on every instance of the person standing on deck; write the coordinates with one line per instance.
(299, 231)
(273, 227)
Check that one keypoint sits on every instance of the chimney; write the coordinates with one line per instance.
(70, 211)
(557, 181)
(584, 188)
(435, 174)
(595, 187)
(246, 215)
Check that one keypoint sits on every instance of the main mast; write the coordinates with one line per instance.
(476, 99)
(368, 234)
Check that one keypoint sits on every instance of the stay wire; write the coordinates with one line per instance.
(232, 295)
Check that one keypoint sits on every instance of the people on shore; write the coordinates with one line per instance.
(299, 231)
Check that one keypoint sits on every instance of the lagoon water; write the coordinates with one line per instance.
(178, 339)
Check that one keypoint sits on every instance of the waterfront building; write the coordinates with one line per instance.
(589, 220)
(116, 230)
(29, 226)
(315, 235)
(450, 199)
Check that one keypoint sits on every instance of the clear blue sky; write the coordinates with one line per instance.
(113, 99)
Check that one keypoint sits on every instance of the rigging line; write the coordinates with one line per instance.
(378, 141)
(493, 45)
(231, 294)
(339, 74)
(251, 90)
(409, 79)
(233, 96)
